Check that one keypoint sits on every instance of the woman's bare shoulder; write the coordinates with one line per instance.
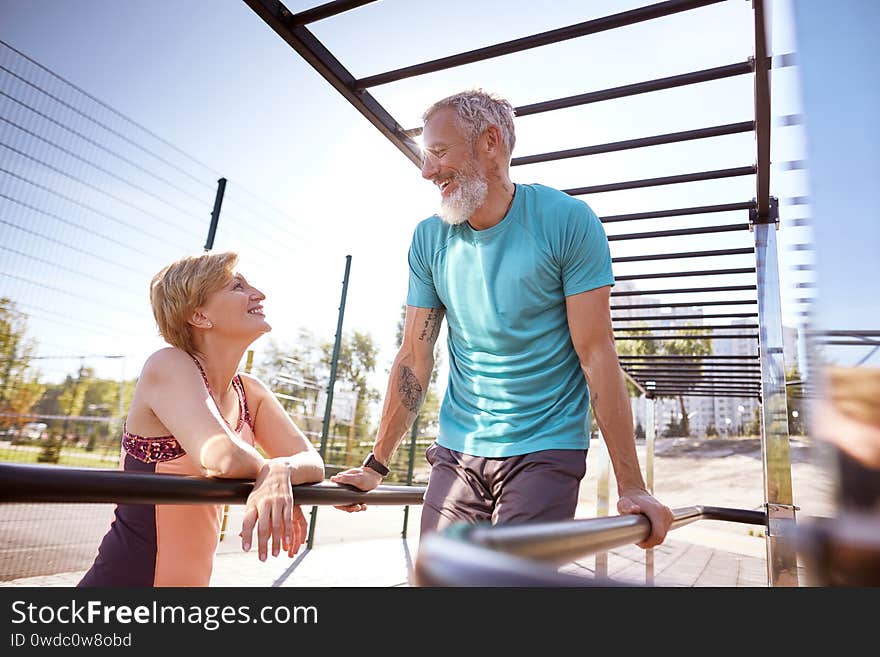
(166, 362)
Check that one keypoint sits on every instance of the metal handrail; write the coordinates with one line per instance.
(53, 484)
(521, 555)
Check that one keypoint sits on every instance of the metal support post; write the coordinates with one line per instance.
(781, 555)
(325, 428)
(409, 471)
(215, 213)
(650, 432)
(602, 496)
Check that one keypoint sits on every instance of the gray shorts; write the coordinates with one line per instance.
(541, 486)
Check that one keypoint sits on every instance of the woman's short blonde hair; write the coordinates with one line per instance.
(182, 287)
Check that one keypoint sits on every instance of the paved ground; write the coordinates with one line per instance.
(704, 554)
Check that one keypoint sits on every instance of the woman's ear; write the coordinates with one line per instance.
(200, 320)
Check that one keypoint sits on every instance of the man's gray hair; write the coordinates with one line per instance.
(477, 110)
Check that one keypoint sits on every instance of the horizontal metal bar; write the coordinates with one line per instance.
(684, 290)
(640, 142)
(54, 484)
(652, 338)
(298, 37)
(326, 11)
(664, 180)
(684, 79)
(702, 377)
(535, 40)
(685, 274)
(711, 395)
(706, 316)
(843, 333)
(687, 304)
(850, 343)
(678, 212)
(685, 328)
(699, 230)
(561, 542)
(672, 367)
(687, 254)
(704, 386)
(677, 357)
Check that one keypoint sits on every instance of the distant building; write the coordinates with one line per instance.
(729, 416)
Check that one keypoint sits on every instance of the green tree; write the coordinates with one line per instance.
(357, 361)
(20, 387)
(292, 373)
(795, 401)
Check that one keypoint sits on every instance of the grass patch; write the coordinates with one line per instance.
(75, 457)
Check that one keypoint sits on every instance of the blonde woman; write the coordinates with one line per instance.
(192, 414)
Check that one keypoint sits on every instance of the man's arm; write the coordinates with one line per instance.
(407, 387)
(589, 321)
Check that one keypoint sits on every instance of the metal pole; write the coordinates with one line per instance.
(409, 471)
(248, 365)
(215, 213)
(325, 428)
(778, 499)
(781, 557)
(602, 501)
(650, 432)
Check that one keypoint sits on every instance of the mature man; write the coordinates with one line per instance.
(522, 274)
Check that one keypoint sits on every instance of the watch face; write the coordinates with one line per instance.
(375, 465)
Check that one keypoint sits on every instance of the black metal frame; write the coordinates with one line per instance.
(291, 27)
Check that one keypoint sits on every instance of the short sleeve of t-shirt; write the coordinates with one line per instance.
(421, 292)
(585, 257)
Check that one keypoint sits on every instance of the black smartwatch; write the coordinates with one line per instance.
(375, 465)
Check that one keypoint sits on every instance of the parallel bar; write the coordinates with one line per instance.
(642, 142)
(699, 377)
(685, 304)
(684, 290)
(278, 17)
(536, 40)
(678, 212)
(659, 84)
(651, 371)
(685, 274)
(641, 318)
(55, 484)
(326, 11)
(688, 357)
(685, 328)
(561, 542)
(700, 230)
(745, 336)
(686, 254)
(664, 180)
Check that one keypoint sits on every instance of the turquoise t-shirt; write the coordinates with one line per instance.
(515, 382)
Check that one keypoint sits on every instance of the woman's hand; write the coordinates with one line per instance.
(271, 509)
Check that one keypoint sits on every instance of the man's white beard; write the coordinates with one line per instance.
(471, 191)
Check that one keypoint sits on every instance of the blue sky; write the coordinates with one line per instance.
(310, 180)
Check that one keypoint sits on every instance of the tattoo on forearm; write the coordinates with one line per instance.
(410, 390)
(432, 325)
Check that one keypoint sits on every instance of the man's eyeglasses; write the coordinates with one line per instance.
(436, 155)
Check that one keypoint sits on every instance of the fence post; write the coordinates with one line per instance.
(409, 471)
(325, 428)
(215, 213)
(650, 432)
